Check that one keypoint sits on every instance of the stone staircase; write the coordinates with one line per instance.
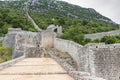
(35, 69)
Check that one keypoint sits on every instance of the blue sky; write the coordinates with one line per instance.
(108, 8)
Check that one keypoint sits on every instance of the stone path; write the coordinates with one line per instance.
(35, 69)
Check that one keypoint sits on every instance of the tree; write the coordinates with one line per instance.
(109, 39)
(84, 22)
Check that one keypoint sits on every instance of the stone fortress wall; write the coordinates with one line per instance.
(98, 60)
(72, 48)
(106, 61)
(102, 34)
(21, 42)
(55, 28)
(29, 43)
(77, 75)
(47, 39)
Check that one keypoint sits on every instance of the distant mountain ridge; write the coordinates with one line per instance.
(58, 7)
(66, 9)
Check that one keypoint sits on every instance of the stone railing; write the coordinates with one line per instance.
(77, 75)
(74, 50)
(10, 62)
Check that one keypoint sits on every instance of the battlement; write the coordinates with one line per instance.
(102, 45)
(14, 30)
(55, 28)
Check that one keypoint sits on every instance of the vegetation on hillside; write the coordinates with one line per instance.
(90, 26)
(106, 39)
(73, 29)
(15, 4)
(13, 18)
(5, 53)
(75, 20)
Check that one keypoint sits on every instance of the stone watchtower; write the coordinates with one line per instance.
(55, 28)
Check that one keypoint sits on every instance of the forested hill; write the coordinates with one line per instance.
(66, 9)
(13, 18)
(58, 7)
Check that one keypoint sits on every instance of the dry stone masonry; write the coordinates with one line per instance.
(107, 61)
(99, 60)
(21, 42)
(94, 61)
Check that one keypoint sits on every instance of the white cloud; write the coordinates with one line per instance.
(108, 8)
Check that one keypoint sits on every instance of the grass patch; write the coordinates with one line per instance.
(5, 53)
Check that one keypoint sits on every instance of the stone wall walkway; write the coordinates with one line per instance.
(35, 69)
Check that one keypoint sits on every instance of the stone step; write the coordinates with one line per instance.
(35, 69)
(36, 73)
(36, 77)
(33, 65)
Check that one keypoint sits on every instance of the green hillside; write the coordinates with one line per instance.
(13, 18)
(73, 29)
(75, 20)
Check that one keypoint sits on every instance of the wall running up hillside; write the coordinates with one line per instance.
(102, 34)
